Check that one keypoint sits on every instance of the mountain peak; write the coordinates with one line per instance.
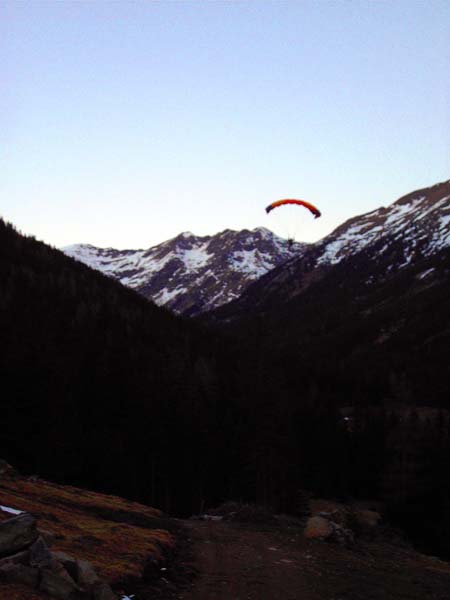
(191, 274)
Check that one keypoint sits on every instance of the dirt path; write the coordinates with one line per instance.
(238, 563)
(246, 564)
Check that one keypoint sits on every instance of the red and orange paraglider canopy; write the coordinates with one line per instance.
(315, 211)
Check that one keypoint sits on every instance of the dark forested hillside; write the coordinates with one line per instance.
(99, 386)
(367, 329)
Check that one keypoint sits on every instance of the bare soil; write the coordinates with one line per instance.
(236, 562)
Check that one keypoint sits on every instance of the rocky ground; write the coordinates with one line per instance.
(63, 542)
(283, 558)
(124, 550)
(267, 563)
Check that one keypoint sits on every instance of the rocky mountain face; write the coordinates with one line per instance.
(419, 221)
(383, 242)
(191, 274)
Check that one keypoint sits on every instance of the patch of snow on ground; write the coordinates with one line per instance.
(12, 511)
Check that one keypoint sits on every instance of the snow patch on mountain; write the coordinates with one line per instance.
(195, 258)
(191, 274)
(251, 262)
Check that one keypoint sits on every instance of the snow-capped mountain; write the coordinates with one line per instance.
(420, 221)
(385, 240)
(192, 274)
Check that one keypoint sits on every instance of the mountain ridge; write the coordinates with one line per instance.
(192, 274)
(414, 227)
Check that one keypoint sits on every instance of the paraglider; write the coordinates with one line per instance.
(315, 211)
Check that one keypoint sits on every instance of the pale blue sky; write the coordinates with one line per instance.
(124, 123)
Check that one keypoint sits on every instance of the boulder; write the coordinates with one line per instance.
(86, 575)
(68, 562)
(20, 558)
(17, 533)
(26, 559)
(342, 535)
(57, 583)
(18, 573)
(337, 515)
(103, 591)
(322, 528)
(318, 528)
(6, 470)
(49, 537)
(40, 555)
(368, 518)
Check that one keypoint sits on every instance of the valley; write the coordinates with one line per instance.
(327, 373)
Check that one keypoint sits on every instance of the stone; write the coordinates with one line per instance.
(318, 528)
(6, 470)
(103, 591)
(368, 518)
(21, 558)
(342, 535)
(48, 536)
(68, 562)
(18, 573)
(338, 516)
(56, 582)
(40, 555)
(17, 533)
(86, 576)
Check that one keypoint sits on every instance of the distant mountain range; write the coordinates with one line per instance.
(191, 274)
